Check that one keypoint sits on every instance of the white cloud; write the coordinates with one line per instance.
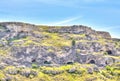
(115, 36)
(108, 28)
(67, 20)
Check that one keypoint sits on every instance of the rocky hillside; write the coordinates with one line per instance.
(27, 45)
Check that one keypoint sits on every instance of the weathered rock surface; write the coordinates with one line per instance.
(23, 45)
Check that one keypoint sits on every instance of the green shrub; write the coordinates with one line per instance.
(110, 69)
(1, 75)
(105, 53)
(73, 42)
(34, 66)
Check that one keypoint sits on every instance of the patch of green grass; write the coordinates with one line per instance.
(26, 41)
(34, 66)
(4, 51)
(117, 44)
(44, 28)
(77, 35)
(105, 53)
(62, 73)
(1, 75)
(55, 40)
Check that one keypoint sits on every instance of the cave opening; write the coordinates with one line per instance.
(109, 52)
(92, 62)
(69, 62)
(33, 60)
(47, 62)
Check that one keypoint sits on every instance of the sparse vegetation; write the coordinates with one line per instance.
(53, 39)
(54, 57)
(34, 66)
(75, 72)
(105, 53)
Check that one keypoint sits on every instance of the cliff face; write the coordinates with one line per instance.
(76, 29)
(79, 29)
(23, 44)
(104, 34)
(17, 26)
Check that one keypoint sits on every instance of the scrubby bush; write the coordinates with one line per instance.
(105, 53)
(73, 42)
(34, 66)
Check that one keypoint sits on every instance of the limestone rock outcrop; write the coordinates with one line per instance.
(23, 44)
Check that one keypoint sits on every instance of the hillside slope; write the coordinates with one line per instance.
(24, 45)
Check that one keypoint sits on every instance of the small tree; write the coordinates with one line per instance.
(73, 46)
(73, 42)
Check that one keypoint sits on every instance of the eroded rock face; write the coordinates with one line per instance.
(38, 55)
(26, 47)
(17, 26)
(104, 34)
(76, 29)
(79, 29)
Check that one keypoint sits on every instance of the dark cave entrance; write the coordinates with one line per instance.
(92, 62)
(69, 62)
(109, 52)
(47, 62)
(33, 60)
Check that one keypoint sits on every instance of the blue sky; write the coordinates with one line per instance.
(99, 14)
